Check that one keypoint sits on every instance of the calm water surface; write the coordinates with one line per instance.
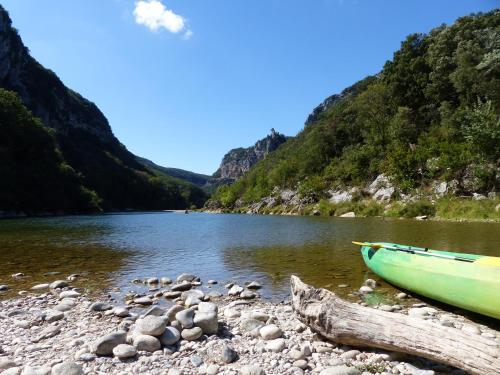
(111, 250)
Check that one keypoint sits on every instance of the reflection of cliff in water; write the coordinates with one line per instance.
(50, 249)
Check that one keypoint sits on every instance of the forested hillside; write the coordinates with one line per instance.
(431, 115)
(88, 154)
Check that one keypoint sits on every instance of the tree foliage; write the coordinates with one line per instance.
(431, 113)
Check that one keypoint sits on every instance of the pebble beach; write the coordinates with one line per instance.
(186, 326)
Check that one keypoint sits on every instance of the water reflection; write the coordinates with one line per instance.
(49, 249)
(114, 249)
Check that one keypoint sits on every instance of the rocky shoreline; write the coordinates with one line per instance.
(179, 328)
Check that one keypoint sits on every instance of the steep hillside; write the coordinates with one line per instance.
(238, 161)
(34, 177)
(83, 134)
(427, 125)
(192, 177)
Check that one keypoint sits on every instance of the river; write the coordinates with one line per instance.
(111, 250)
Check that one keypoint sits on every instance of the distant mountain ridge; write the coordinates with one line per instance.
(84, 135)
(192, 177)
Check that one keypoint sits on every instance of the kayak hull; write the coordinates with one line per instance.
(473, 286)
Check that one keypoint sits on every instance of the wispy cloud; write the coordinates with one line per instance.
(155, 16)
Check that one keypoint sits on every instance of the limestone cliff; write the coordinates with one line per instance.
(238, 161)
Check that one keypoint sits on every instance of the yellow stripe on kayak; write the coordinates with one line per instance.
(488, 261)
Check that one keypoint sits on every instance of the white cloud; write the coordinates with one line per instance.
(154, 15)
(188, 34)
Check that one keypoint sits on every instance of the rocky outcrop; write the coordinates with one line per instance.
(335, 99)
(238, 161)
(43, 92)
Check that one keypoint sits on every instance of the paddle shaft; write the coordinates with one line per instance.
(411, 251)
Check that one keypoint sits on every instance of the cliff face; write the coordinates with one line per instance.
(335, 99)
(82, 132)
(238, 161)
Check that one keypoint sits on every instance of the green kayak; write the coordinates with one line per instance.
(469, 281)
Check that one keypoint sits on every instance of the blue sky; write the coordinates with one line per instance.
(183, 81)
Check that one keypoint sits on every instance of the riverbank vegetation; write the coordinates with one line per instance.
(431, 115)
(36, 178)
(448, 208)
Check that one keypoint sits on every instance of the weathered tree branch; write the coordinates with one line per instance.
(352, 324)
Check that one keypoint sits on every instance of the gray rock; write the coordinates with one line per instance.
(387, 308)
(348, 214)
(165, 281)
(146, 343)
(154, 311)
(6, 363)
(296, 354)
(235, 290)
(401, 295)
(87, 357)
(371, 283)
(67, 368)
(192, 301)
(123, 351)
(151, 325)
(251, 370)
(170, 336)
(270, 332)
(365, 289)
(152, 280)
(247, 294)
(28, 370)
(185, 317)
(232, 313)
(351, 354)
(254, 285)
(191, 334)
(276, 346)
(212, 370)
(69, 294)
(47, 333)
(300, 363)
(172, 295)
(196, 360)
(340, 370)
(100, 306)
(187, 277)
(208, 307)
(207, 321)
(181, 287)
(52, 316)
(105, 344)
(211, 282)
(121, 312)
(194, 293)
(173, 311)
(12, 371)
(4, 288)
(145, 301)
(248, 325)
(58, 284)
(229, 355)
(38, 287)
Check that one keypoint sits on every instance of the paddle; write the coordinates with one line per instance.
(412, 251)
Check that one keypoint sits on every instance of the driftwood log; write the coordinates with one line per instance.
(349, 323)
